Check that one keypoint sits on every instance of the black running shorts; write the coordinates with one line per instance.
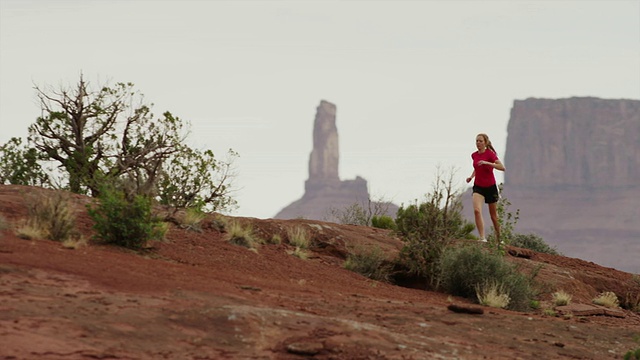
(490, 193)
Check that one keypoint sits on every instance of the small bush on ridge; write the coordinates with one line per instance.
(428, 228)
(533, 242)
(123, 220)
(383, 222)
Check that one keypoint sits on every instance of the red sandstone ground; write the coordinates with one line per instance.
(199, 297)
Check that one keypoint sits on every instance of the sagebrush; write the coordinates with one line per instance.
(533, 242)
(428, 228)
(464, 268)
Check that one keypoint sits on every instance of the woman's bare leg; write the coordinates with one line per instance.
(493, 211)
(477, 212)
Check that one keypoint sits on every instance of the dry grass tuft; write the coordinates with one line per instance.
(607, 299)
(493, 294)
(276, 239)
(50, 216)
(298, 237)
(192, 219)
(159, 231)
(29, 232)
(561, 298)
(300, 253)
(75, 243)
(241, 235)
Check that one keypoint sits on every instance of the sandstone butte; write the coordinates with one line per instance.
(195, 296)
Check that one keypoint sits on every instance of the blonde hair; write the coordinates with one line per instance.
(488, 142)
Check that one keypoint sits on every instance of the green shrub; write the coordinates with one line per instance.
(430, 221)
(369, 262)
(123, 220)
(534, 304)
(463, 269)
(632, 354)
(428, 228)
(533, 242)
(383, 222)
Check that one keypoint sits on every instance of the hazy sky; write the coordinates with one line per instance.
(413, 81)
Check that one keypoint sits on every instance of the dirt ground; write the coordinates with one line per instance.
(198, 297)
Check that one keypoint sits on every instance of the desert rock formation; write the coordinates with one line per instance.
(573, 170)
(577, 143)
(324, 191)
(323, 161)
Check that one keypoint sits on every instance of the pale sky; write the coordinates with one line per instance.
(413, 81)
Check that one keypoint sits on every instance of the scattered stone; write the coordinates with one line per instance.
(581, 309)
(614, 312)
(466, 309)
(558, 344)
(305, 348)
(521, 253)
(249, 287)
(590, 310)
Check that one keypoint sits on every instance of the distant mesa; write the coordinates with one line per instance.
(324, 191)
(575, 143)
